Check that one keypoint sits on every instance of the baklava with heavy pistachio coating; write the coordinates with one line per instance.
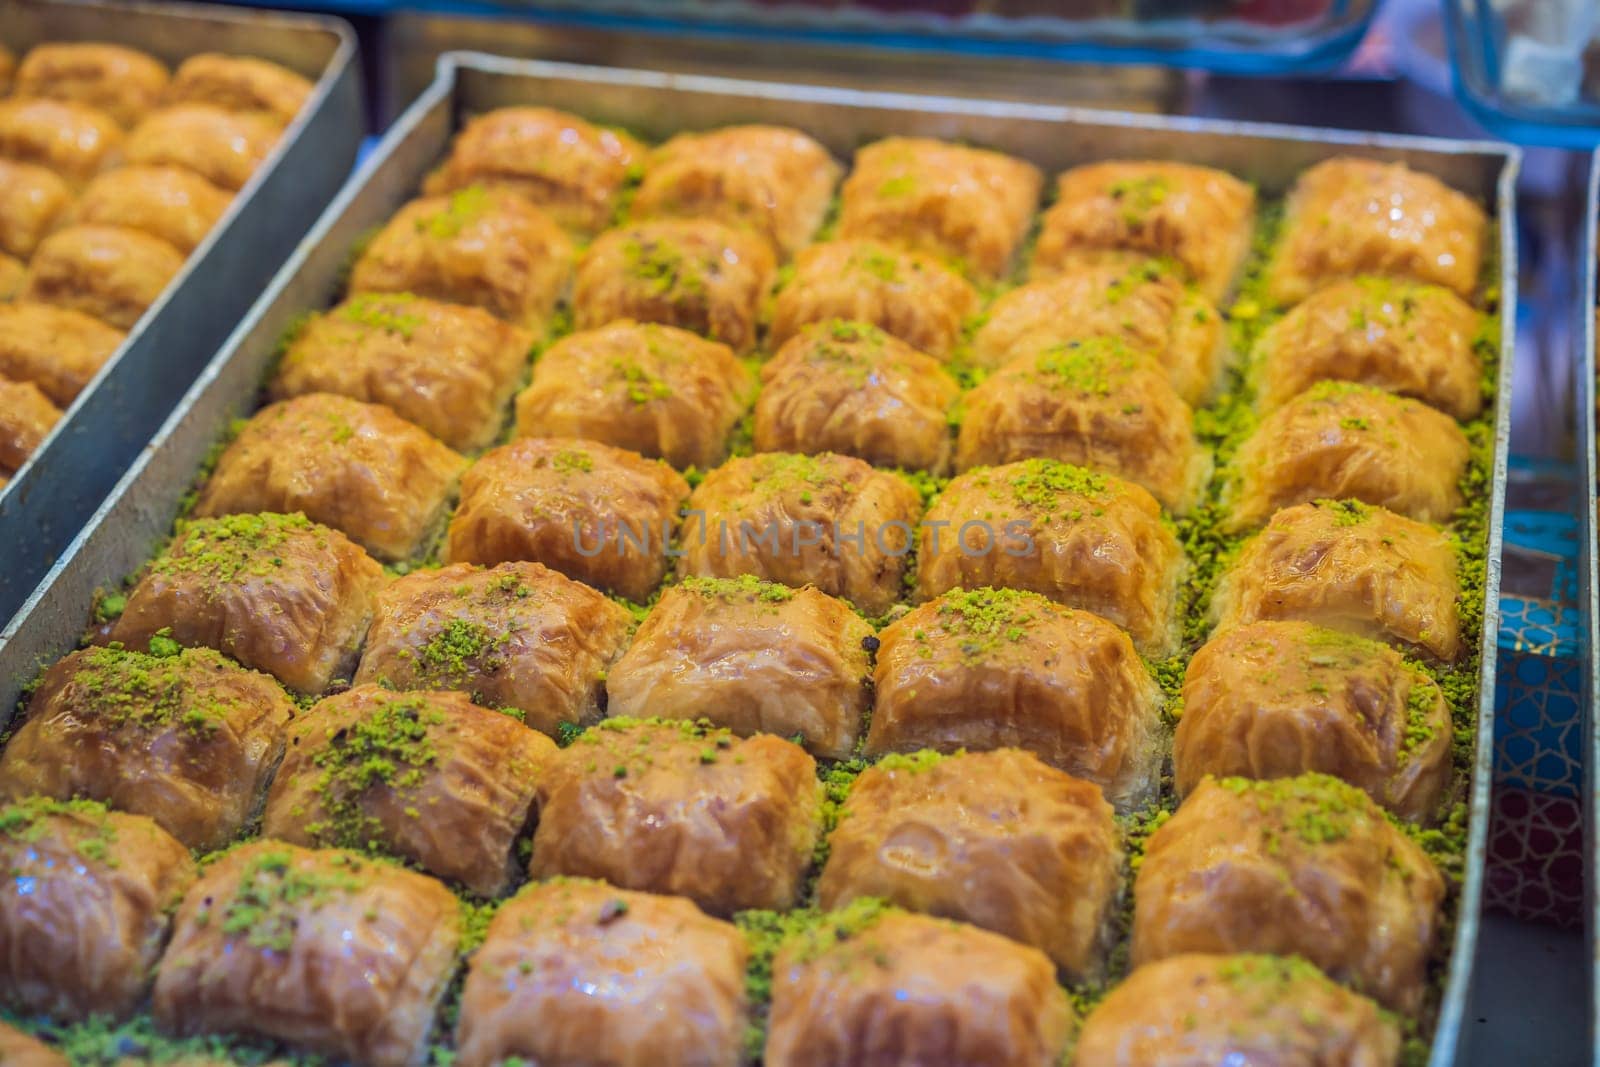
(516, 636)
(1086, 540)
(997, 839)
(356, 467)
(830, 521)
(171, 203)
(223, 147)
(187, 738)
(57, 349)
(1306, 866)
(278, 593)
(985, 668)
(752, 656)
(125, 83)
(681, 808)
(1275, 699)
(84, 908)
(74, 140)
(111, 272)
(239, 83)
(599, 514)
(657, 390)
(576, 971)
(33, 199)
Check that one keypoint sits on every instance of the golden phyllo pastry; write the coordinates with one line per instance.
(480, 247)
(111, 272)
(1086, 540)
(18, 1049)
(185, 737)
(657, 390)
(1194, 1009)
(681, 808)
(1275, 699)
(223, 147)
(1352, 567)
(1305, 866)
(872, 985)
(1199, 217)
(1347, 217)
(696, 274)
(575, 171)
(13, 272)
(171, 203)
(1001, 668)
(1143, 308)
(74, 140)
(575, 971)
(358, 468)
(239, 83)
(908, 295)
(997, 839)
(428, 777)
(84, 908)
(33, 199)
(26, 418)
(599, 514)
(327, 952)
(830, 521)
(449, 369)
(754, 657)
(122, 82)
(1419, 341)
(518, 636)
(8, 68)
(771, 180)
(58, 349)
(278, 593)
(967, 206)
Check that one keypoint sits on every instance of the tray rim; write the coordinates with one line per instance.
(1584, 395)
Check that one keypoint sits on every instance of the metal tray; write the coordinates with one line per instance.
(1589, 577)
(139, 513)
(112, 419)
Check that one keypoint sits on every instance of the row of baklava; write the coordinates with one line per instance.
(112, 170)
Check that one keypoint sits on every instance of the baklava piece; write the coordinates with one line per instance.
(480, 247)
(449, 369)
(1095, 403)
(1347, 217)
(18, 1049)
(74, 140)
(278, 593)
(322, 950)
(1351, 567)
(696, 274)
(984, 669)
(427, 777)
(968, 206)
(8, 68)
(239, 83)
(171, 203)
(33, 199)
(1142, 308)
(358, 468)
(657, 390)
(57, 349)
(1340, 441)
(829, 521)
(223, 147)
(1195, 1009)
(84, 906)
(1085, 540)
(26, 418)
(907, 295)
(681, 808)
(753, 657)
(996, 839)
(1414, 340)
(187, 738)
(874, 985)
(110, 272)
(1305, 866)
(771, 180)
(575, 971)
(851, 388)
(1201, 218)
(13, 272)
(122, 82)
(599, 514)
(518, 636)
(1276, 699)
(573, 170)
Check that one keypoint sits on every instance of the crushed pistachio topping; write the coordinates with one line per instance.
(663, 268)
(226, 549)
(987, 620)
(642, 385)
(1317, 809)
(273, 892)
(381, 311)
(1094, 366)
(459, 650)
(132, 690)
(24, 820)
(465, 207)
(744, 587)
(389, 746)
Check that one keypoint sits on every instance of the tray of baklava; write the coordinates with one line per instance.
(157, 164)
(679, 570)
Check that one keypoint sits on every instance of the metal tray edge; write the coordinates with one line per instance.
(1589, 582)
